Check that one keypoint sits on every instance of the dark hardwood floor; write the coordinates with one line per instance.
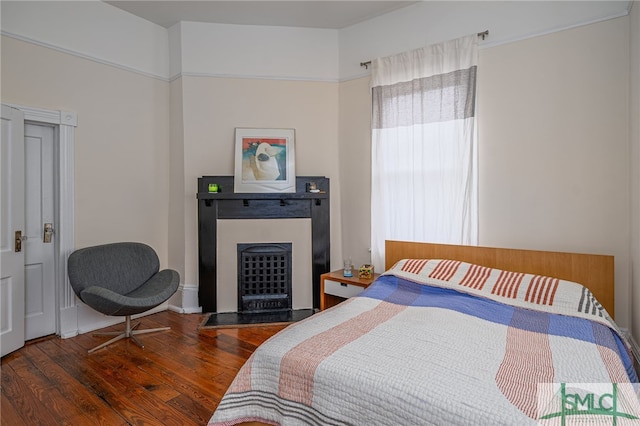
(177, 379)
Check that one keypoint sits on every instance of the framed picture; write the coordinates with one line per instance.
(265, 160)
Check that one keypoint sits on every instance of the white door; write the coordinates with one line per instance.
(39, 245)
(11, 229)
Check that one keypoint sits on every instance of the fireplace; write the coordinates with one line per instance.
(264, 277)
(235, 233)
(226, 219)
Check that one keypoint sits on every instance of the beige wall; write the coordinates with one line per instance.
(634, 161)
(232, 232)
(553, 137)
(121, 141)
(214, 107)
(176, 196)
(355, 169)
(553, 147)
(141, 143)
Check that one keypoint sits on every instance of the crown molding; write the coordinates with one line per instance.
(83, 55)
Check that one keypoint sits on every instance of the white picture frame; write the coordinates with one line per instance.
(264, 160)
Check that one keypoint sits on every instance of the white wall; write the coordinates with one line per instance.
(98, 31)
(282, 53)
(91, 29)
(431, 22)
(634, 161)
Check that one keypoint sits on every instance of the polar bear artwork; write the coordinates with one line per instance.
(264, 163)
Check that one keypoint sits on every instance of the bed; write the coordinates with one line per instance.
(450, 335)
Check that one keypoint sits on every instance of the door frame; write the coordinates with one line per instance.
(65, 123)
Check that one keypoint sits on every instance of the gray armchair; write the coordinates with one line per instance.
(121, 279)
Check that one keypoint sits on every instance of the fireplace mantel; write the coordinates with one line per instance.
(225, 204)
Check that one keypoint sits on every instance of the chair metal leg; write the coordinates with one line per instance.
(129, 332)
(150, 330)
(107, 333)
(136, 341)
(115, 339)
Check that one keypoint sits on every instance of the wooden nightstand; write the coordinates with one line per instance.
(335, 287)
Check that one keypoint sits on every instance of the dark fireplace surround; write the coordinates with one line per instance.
(225, 204)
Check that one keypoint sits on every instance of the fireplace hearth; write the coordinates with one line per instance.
(238, 319)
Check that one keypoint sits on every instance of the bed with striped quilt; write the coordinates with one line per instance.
(435, 342)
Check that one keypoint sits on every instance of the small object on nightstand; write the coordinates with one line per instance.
(366, 272)
(213, 187)
(347, 271)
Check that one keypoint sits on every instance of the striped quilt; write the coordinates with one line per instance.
(435, 342)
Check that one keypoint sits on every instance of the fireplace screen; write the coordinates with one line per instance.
(264, 277)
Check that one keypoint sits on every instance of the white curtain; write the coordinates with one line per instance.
(424, 156)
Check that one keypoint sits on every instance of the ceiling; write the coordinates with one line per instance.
(311, 14)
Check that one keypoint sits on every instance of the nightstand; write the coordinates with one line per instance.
(335, 287)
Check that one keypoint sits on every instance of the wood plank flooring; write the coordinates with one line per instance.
(177, 379)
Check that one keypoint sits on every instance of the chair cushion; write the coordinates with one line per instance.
(119, 267)
(152, 293)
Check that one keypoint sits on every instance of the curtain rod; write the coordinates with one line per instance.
(482, 34)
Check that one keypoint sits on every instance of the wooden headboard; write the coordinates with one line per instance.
(593, 271)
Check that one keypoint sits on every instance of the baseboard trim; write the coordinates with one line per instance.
(182, 310)
(69, 322)
(185, 301)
